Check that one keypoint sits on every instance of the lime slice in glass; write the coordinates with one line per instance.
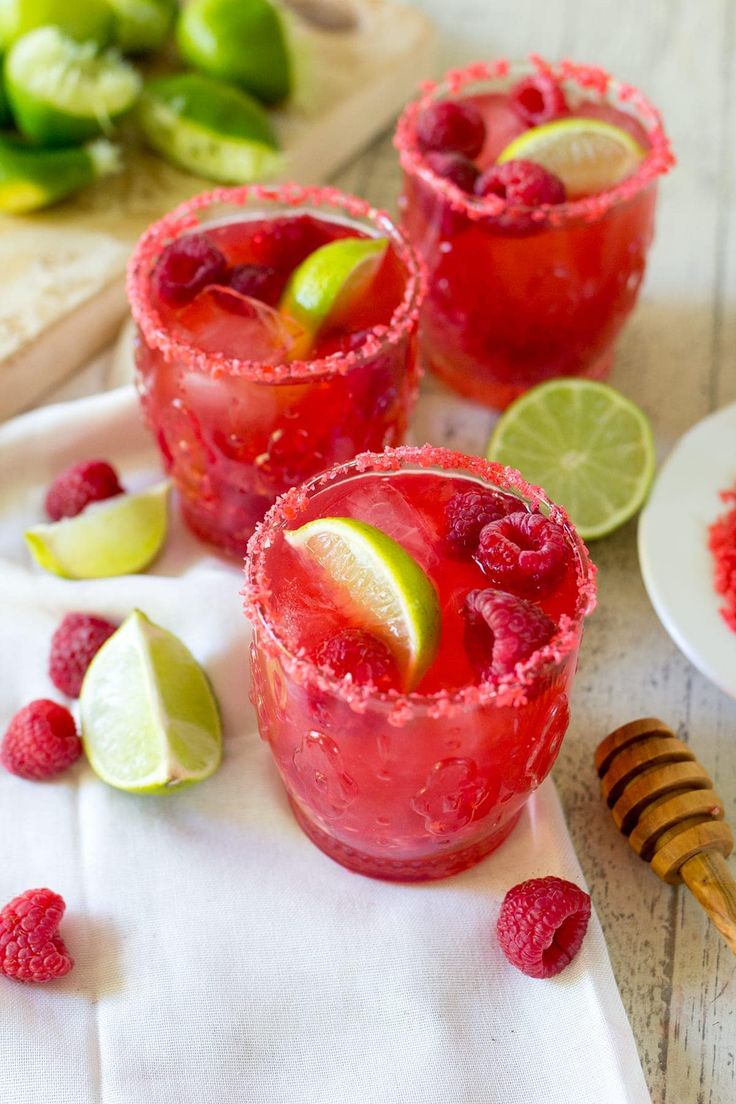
(142, 25)
(31, 179)
(84, 20)
(587, 155)
(589, 447)
(61, 91)
(119, 536)
(208, 128)
(240, 41)
(381, 586)
(150, 722)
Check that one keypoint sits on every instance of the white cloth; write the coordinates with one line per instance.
(220, 957)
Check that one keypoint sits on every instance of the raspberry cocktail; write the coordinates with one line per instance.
(409, 752)
(261, 358)
(532, 274)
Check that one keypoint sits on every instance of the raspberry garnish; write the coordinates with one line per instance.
(538, 99)
(256, 281)
(451, 126)
(75, 488)
(542, 924)
(41, 741)
(455, 167)
(30, 947)
(467, 512)
(503, 630)
(74, 645)
(185, 267)
(522, 552)
(360, 654)
(521, 183)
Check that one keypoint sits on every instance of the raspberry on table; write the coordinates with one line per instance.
(451, 126)
(360, 654)
(467, 512)
(523, 552)
(30, 947)
(503, 630)
(538, 99)
(521, 183)
(41, 741)
(542, 924)
(76, 487)
(74, 645)
(185, 267)
(455, 167)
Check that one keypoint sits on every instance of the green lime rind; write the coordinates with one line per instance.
(208, 128)
(83, 20)
(591, 449)
(243, 42)
(119, 536)
(383, 586)
(142, 25)
(150, 721)
(6, 118)
(31, 179)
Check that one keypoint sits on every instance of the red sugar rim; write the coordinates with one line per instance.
(659, 158)
(510, 689)
(184, 218)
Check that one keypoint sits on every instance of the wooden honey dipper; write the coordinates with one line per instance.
(661, 798)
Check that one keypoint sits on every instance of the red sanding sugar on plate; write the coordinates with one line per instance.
(722, 543)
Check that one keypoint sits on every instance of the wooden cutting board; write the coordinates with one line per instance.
(61, 271)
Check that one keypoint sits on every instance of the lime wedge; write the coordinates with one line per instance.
(589, 447)
(150, 722)
(31, 179)
(208, 128)
(61, 91)
(380, 584)
(588, 155)
(84, 20)
(142, 25)
(240, 41)
(119, 536)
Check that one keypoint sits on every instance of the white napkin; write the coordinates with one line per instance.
(220, 957)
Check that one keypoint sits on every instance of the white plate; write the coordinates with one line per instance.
(676, 564)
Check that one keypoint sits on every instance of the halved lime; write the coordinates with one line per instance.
(31, 179)
(150, 722)
(241, 41)
(119, 536)
(381, 586)
(142, 25)
(208, 128)
(61, 91)
(588, 155)
(84, 20)
(589, 447)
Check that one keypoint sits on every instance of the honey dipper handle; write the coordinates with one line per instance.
(710, 880)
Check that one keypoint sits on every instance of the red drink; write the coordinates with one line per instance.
(417, 785)
(236, 417)
(519, 294)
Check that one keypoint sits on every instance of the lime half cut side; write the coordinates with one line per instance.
(150, 722)
(588, 446)
(381, 587)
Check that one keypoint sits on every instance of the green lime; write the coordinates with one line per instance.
(83, 20)
(588, 155)
(62, 91)
(589, 447)
(208, 128)
(385, 589)
(241, 41)
(150, 722)
(119, 536)
(142, 25)
(6, 119)
(34, 178)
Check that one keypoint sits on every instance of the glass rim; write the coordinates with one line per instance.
(185, 217)
(658, 160)
(509, 689)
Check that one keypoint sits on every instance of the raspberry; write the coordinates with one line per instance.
(360, 654)
(30, 947)
(41, 741)
(256, 281)
(74, 645)
(522, 552)
(185, 267)
(451, 126)
(521, 183)
(75, 488)
(467, 512)
(538, 99)
(503, 630)
(542, 924)
(454, 167)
